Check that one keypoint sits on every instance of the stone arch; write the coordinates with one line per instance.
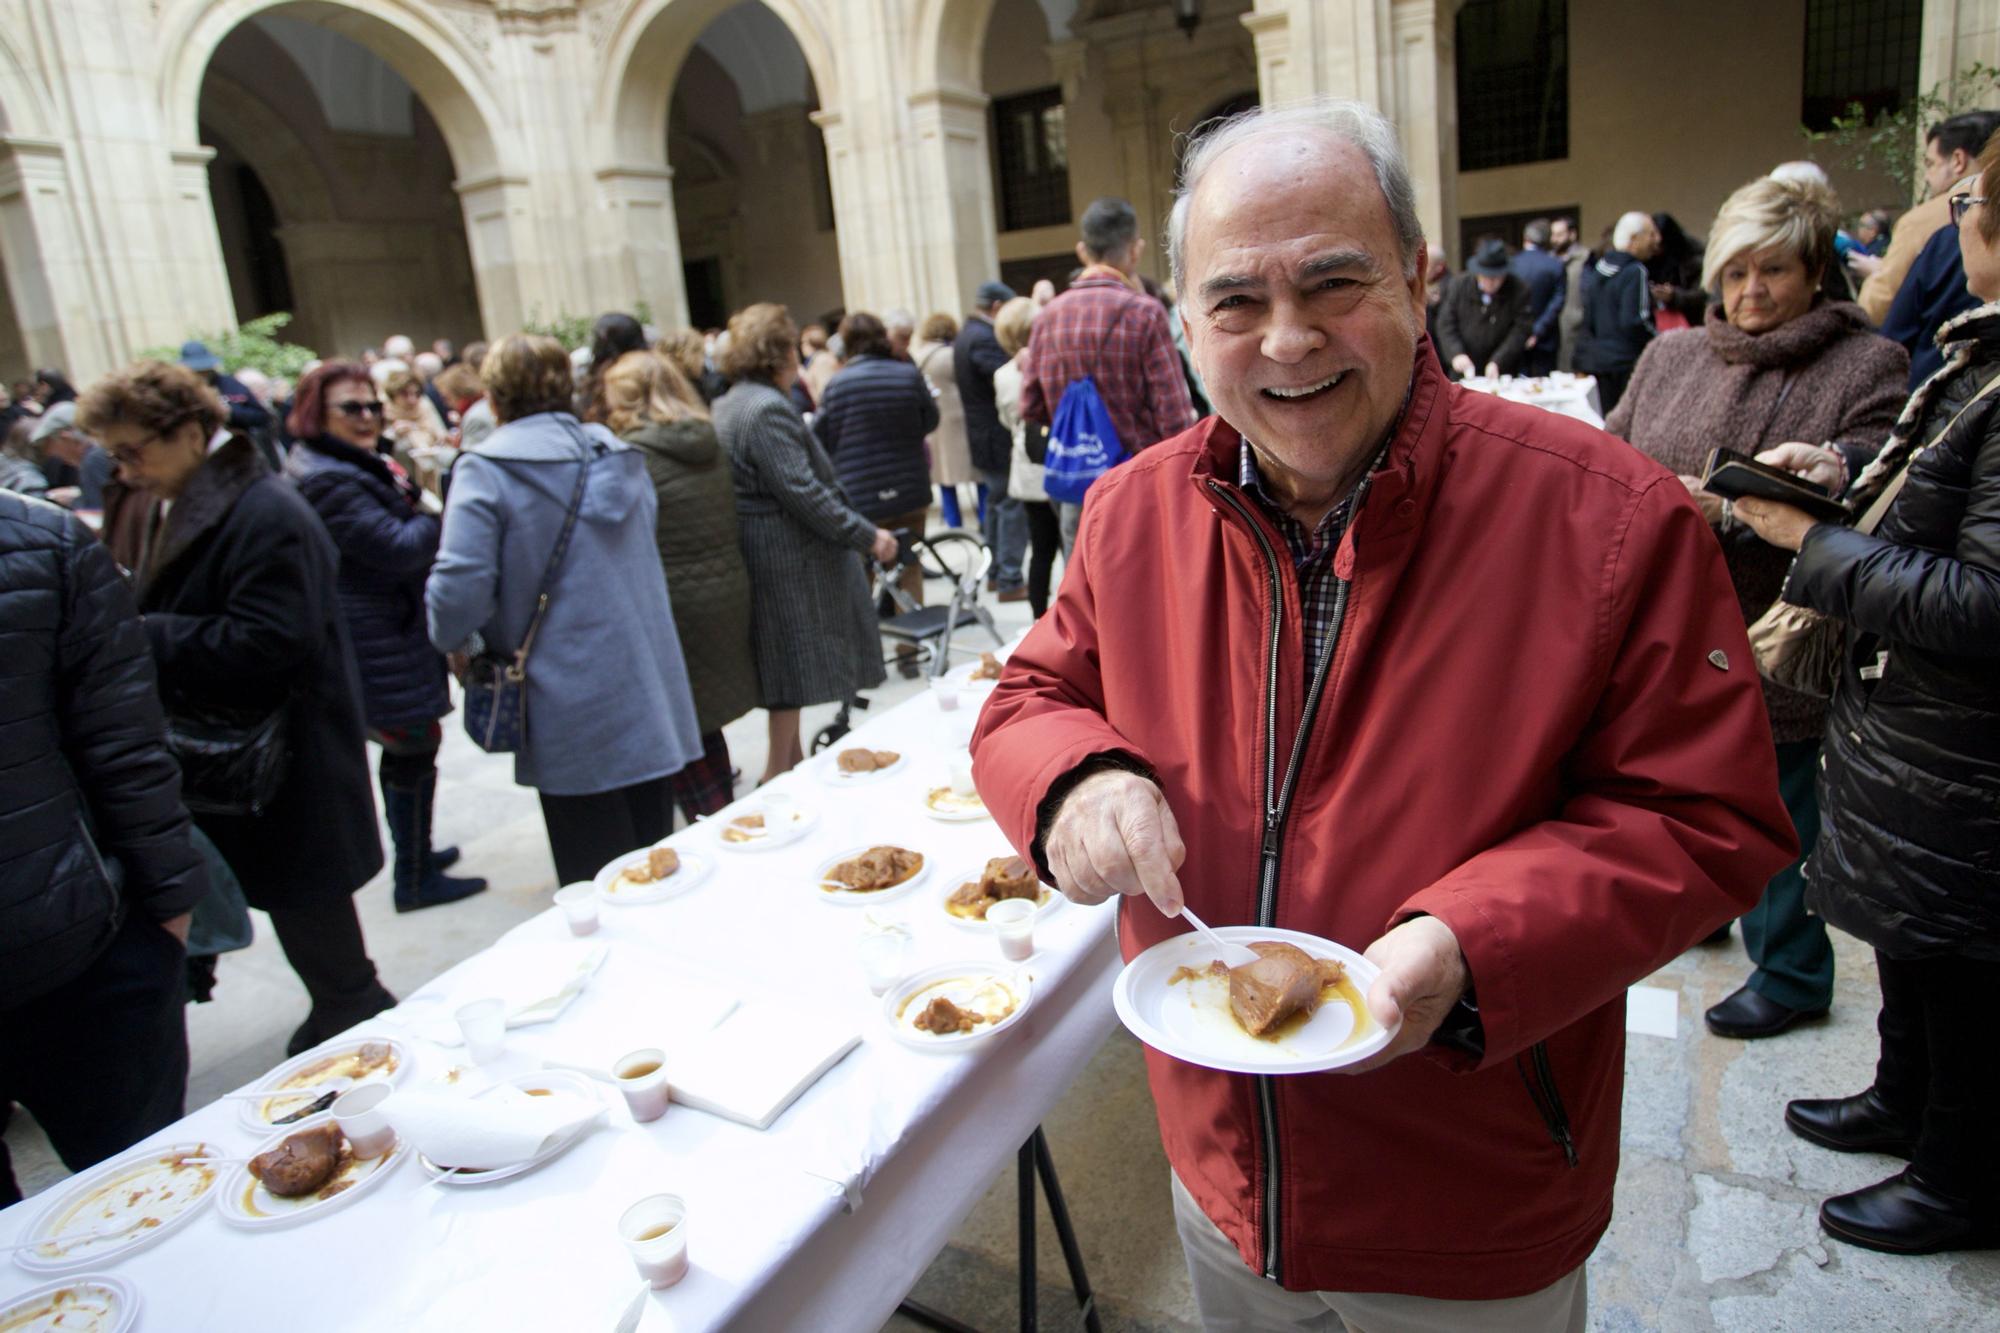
(435, 59)
(23, 95)
(298, 187)
(643, 61)
(948, 39)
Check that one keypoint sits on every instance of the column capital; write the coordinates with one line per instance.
(942, 97)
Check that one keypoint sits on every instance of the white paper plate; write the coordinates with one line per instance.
(942, 803)
(961, 675)
(827, 769)
(964, 984)
(1047, 903)
(1190, 1019)
(259, 1115)
(802, 821)
(142, 1183)
(244, 1202)
(852, 898)
(545, 1078)
(695, 868)
(96, 1303)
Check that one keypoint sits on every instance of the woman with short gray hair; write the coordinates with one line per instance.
(1773, 362)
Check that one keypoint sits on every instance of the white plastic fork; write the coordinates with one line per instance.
(64, 1243)
(1233, 955)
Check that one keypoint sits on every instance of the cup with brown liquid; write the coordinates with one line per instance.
(655, 1232)
(641, 1077)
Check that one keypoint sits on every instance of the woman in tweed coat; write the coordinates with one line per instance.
(812, 626)
(1773, 363)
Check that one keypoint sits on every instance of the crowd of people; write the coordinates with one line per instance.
(653, 535)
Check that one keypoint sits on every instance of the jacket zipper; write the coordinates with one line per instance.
(1277, 805)
(1542, 1091)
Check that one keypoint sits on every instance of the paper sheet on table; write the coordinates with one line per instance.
(757, 1062)
(501, 1128)
(1653, 1011)
(535, 979)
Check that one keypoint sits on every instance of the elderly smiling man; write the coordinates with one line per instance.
(1412, 668)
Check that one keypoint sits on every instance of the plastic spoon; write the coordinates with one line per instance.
(63, 1243)
(1233, 955)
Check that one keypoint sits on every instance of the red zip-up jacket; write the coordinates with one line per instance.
(1539, 722)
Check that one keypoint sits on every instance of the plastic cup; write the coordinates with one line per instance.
(655, 1233)
(960, 764)
(579, 907)
(641, 1077)
(946, 694)
(1013, 922)
(885, 957)
(483, 1024)
(358, 1112)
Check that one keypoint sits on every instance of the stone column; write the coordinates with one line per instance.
(55, 292)
(954, 183)
(645, 238)
(494, 208)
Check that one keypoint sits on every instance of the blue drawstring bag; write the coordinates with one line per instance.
(1083, 442)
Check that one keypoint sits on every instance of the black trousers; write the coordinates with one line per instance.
(1044, 540)
(102, 1060)
(1938, 1061)
(322, 941)
(585, 832)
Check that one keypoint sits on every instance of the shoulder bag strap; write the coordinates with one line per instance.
(1880, 509)
(556, 556)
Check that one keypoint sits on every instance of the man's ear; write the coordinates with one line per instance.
(1416, 279)
(1083, 255)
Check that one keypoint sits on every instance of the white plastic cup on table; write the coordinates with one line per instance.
(579, 907)
(358, 1112)
(1013, 922)
(946, 694)
(959, 762)
(885, 957)
(655, 1233)
(483, 1024)
(641, 1077)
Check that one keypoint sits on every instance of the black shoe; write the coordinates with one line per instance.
(1860, 1123)
(419, 883)
(444, 858)
(1748, 1015)
(1903, 1215)
(1720, 935)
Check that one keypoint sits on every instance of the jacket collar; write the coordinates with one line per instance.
(1980, 325)
(211, 494)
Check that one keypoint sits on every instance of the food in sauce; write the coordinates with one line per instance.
(876, 869)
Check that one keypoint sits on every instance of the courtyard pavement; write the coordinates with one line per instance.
(1715, 1225)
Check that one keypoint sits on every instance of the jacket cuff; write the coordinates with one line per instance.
(1059, 790)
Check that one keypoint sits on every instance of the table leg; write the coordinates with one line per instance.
(1024, 1173)
(1079, 1280)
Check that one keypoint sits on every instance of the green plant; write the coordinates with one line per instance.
(1893, 142)
(573, 331)
(252, 345)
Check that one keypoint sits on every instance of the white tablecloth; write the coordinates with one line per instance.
(915, 1137)
(1565, 395)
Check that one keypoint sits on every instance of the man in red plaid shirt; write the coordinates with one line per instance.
(1104, 325)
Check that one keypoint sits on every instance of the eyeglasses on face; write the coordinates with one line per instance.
(370, 408)
(1961, 204)
(129, 454)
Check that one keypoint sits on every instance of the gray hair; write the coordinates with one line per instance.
(1629, 229)
(899, 320)
(1350, 121)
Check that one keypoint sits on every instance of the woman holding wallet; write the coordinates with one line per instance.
(1909, 858)
(1772, 362)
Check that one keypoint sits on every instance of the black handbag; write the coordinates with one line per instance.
(496, 684)
(232, 763)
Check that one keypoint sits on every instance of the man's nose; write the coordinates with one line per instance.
(1292, 336)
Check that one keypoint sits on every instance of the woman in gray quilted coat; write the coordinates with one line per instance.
(812, 626)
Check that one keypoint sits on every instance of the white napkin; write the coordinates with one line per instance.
(757, 1062)
(501, 1128)
(536, 980)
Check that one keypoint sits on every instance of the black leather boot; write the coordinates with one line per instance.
(419, 883)
(1746, 1015)
(1906, 1215)
(1860, 1123)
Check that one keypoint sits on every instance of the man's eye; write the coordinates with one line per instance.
(1336, 284)
(1231, 303)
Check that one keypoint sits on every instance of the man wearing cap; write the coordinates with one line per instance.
(1107, 327)
(975, 355)
(246, 413)
(1486, 320)
(57, 436)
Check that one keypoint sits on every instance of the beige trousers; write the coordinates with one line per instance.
(1234, 1299)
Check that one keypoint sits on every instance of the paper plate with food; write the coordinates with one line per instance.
(302, 1173)
(651, 875)
(1297, 1010)
(953, 805)
(950, 1007)
(122, 1205)
(299, 1086)
(98, 1303)
(964, 897)
(763, 823)
(857, 766)
(983, 674)
(861, 876)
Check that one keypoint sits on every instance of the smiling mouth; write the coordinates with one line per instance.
(1306, 392)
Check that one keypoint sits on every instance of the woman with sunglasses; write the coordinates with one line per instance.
(237, 584)
(387, 542)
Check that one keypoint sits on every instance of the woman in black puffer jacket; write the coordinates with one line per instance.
(387, 543)
(1908, 857)
(872, 419)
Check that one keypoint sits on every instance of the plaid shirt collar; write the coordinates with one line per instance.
(1306, 546)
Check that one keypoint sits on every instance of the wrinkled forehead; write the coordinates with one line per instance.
(1279, 195)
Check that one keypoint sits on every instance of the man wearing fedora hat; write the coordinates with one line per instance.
(1485, 321)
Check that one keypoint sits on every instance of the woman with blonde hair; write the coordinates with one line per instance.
(812, 626)
(688, 350)
(650, 405)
